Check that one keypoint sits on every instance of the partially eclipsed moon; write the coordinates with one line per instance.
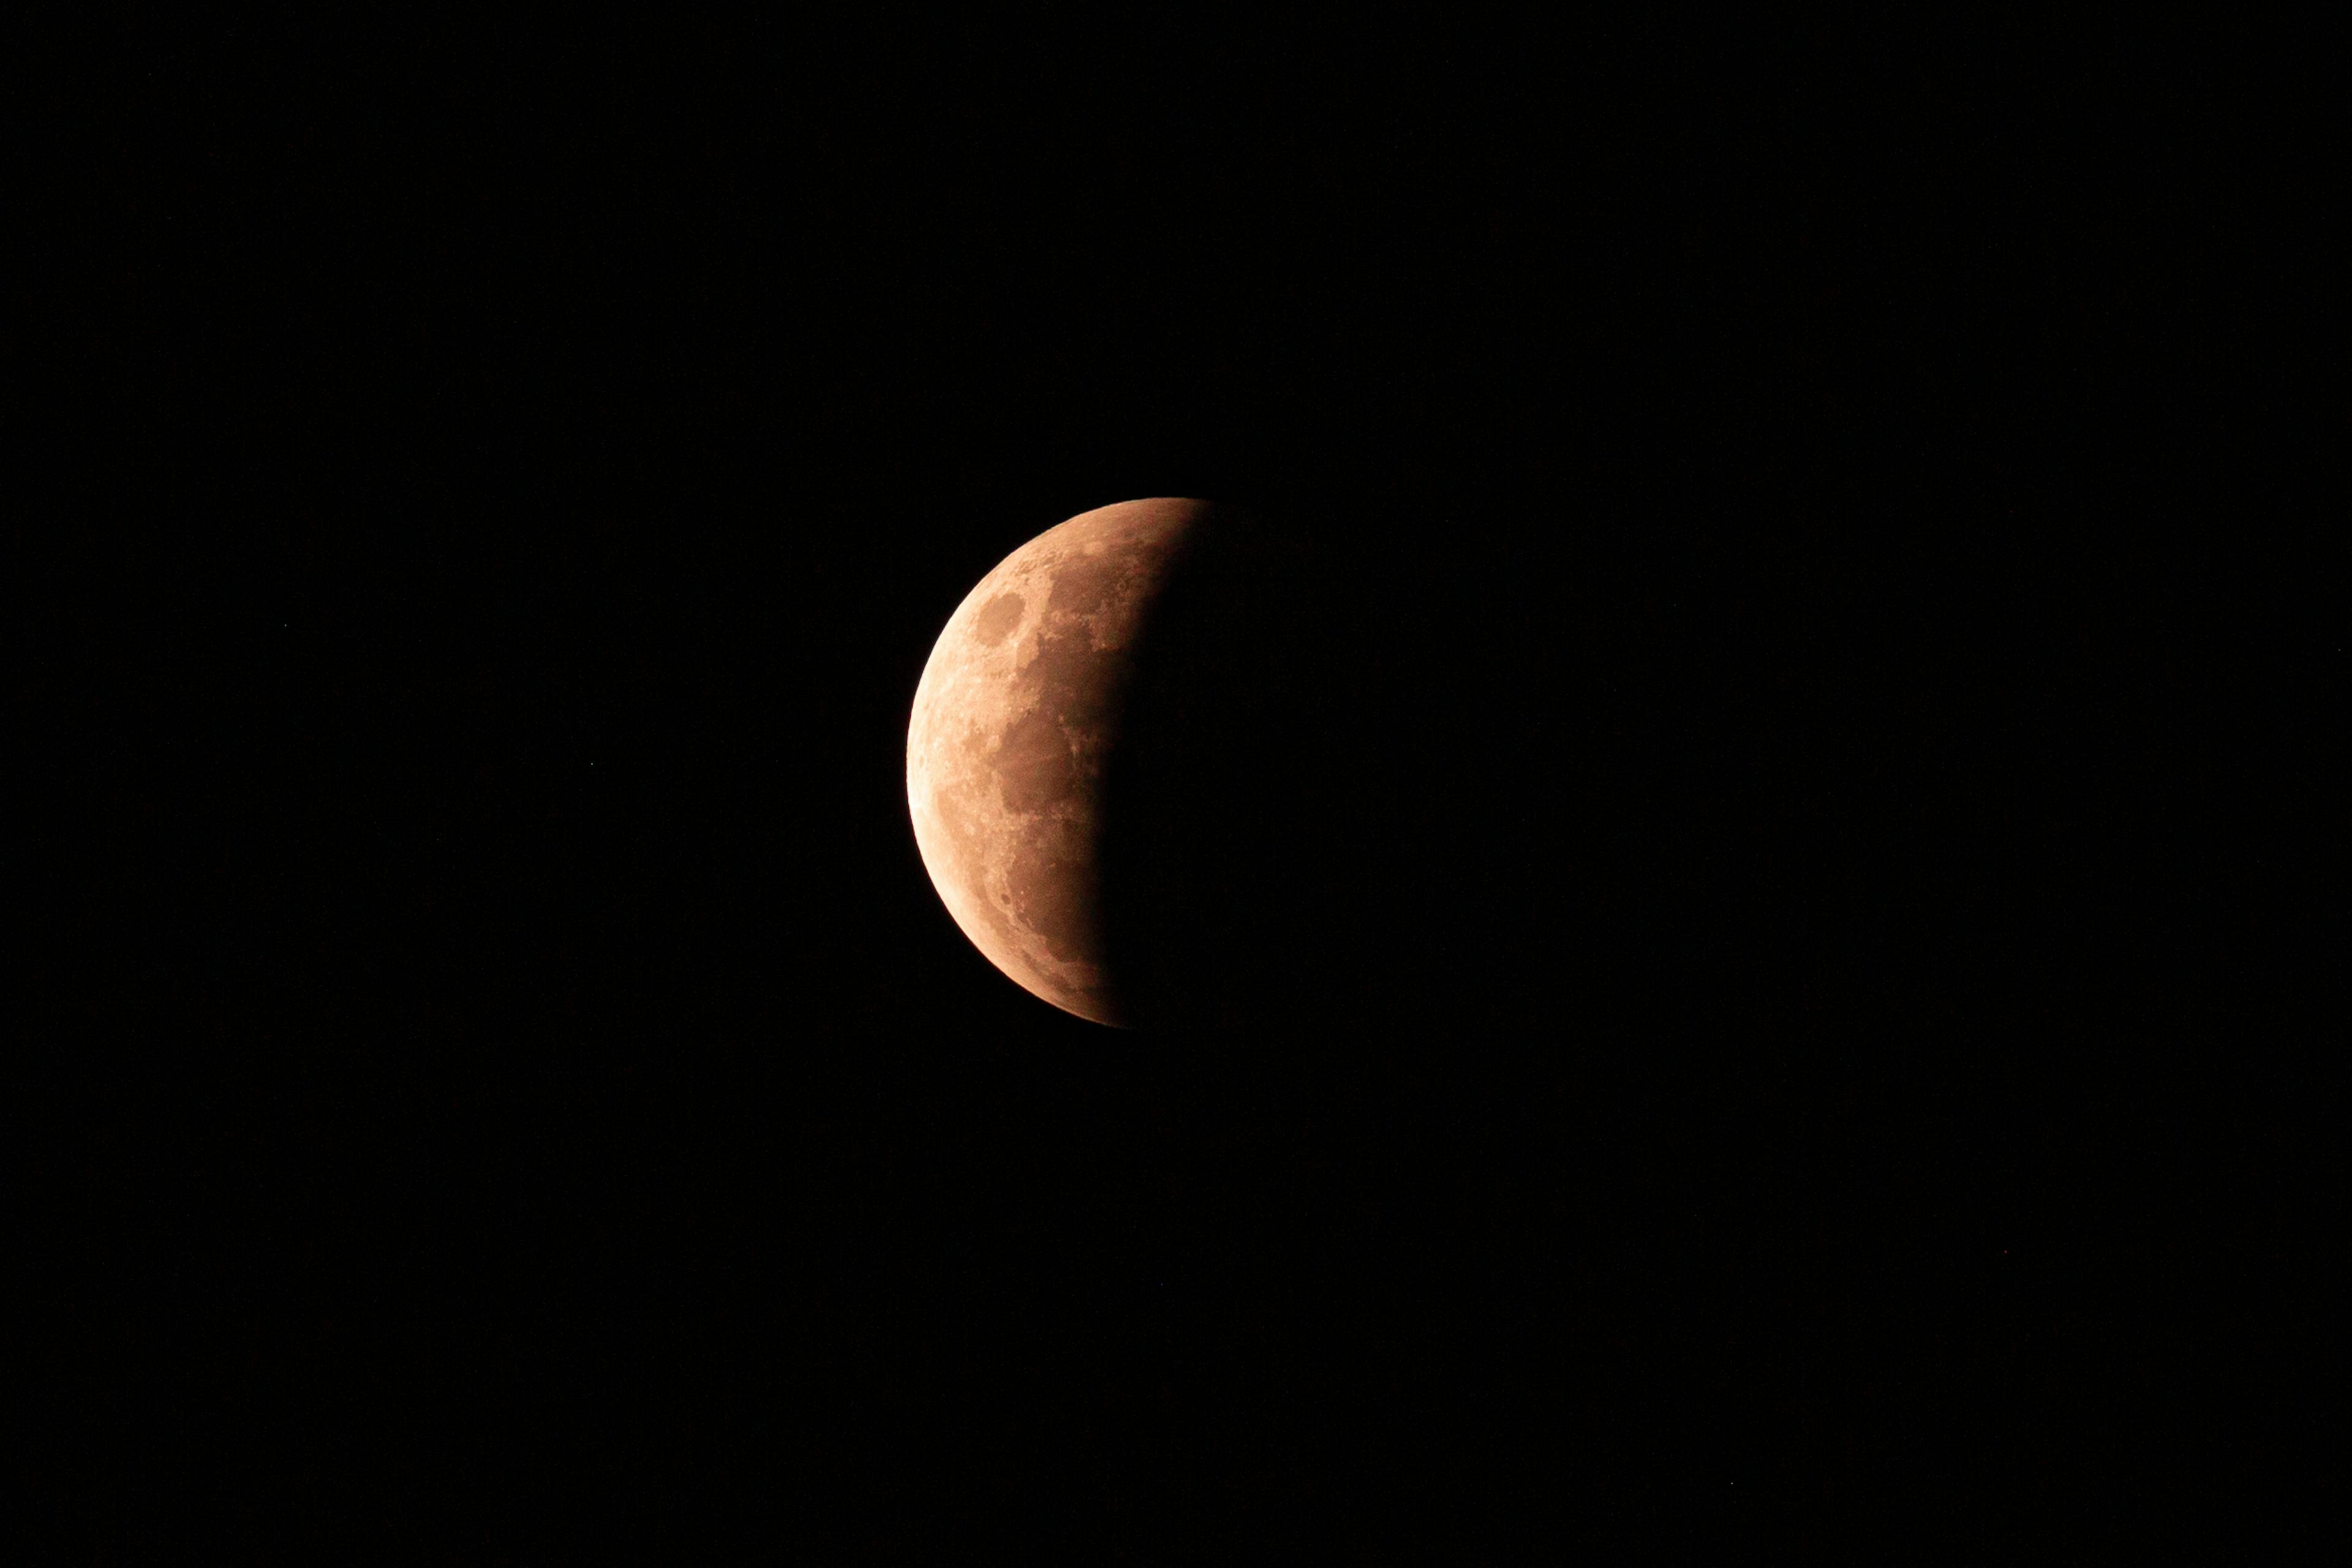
(1014, 719)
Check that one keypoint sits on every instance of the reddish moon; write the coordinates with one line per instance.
(1014, 717)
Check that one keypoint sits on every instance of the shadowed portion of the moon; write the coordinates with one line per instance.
(1286, 838)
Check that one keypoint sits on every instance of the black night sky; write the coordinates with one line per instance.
(1770, 936)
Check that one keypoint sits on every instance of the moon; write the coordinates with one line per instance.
(1015, 719)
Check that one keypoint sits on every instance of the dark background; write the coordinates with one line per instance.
(1812, 747)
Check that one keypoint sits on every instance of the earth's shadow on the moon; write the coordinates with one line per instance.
(1291, 840)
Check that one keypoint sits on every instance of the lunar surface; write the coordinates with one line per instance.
(1014, 719)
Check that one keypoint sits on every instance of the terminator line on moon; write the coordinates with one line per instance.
(1014, 719)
